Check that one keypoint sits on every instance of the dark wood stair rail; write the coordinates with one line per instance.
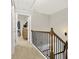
(52, 45)
(53, 38)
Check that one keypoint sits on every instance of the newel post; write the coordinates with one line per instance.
(51, 44)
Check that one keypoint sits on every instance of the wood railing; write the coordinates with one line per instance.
(57, 47)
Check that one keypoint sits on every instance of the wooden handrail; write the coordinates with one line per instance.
(66, 46)
(53, 35)
(49, 32)
(41, 31)
(59, 38)
(52, 47)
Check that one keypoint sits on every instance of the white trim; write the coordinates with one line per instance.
(16, 26)
(27, 13)
(29, 29)
(23, 12)
(38, 50)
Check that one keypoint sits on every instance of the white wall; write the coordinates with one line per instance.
(59, 22)
(40, 21)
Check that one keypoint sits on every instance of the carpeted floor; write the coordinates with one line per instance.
(25, 50)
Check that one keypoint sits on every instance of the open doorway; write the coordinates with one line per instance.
(22, 26)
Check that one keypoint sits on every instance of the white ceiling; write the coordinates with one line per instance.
(50, 6)
(42, 6)
(24, 4)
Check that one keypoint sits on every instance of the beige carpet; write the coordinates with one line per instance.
(25, 50)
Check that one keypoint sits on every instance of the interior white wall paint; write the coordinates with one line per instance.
(59, 22)
(39, 21)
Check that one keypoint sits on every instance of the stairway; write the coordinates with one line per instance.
(56, 47)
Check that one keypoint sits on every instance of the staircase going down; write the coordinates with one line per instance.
(50, 44)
